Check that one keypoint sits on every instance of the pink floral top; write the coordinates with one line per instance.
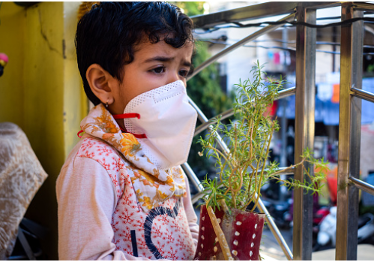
(100, 215)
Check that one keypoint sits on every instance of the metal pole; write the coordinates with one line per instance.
(206, 123)
(204, 119)
(344, 132)
(355, 136)
(363, 94)
(363, 6)
(274, 229)
(349, 134)
(251, 12)
(283, 159)
(362, 185)
(238, 44)
(192, 176)
(304, 129)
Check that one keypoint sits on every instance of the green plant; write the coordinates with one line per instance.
(245, 168)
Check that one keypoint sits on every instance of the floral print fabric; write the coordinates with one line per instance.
(152, 185)
(163, 232)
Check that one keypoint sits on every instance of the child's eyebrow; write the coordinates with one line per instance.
(165, 59)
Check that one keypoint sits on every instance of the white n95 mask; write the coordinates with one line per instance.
(167, 121)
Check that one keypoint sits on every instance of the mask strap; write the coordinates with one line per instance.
(78, 134)
(129, 115)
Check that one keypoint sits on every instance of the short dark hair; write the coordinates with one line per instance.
(107, 34)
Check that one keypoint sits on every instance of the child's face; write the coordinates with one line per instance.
(154, 65)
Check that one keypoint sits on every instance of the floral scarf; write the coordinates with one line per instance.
(152, 185)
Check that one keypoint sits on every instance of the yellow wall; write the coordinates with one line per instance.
(74, 96)
(41, 92)
(12, 27)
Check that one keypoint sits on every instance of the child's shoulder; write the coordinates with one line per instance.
(97, 149)
(92, 148)
(81, 164)
(91, 144)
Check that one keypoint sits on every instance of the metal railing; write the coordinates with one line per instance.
(273, 227)
(350, 105)
(350, 96)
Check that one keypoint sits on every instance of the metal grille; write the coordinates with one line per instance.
(350, 105)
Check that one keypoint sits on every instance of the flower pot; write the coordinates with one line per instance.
(242, 230)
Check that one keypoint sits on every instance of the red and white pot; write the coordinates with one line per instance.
(242, 230)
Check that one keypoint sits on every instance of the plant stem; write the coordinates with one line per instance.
(224, 206)
(263, 166)
(219, 233)
(219, 152)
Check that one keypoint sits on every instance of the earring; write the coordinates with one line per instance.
(106, 105)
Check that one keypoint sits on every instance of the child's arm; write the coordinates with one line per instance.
(191, 215)
(86, 201)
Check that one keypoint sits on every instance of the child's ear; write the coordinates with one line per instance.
(101, 83)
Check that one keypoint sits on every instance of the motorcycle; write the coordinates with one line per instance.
(317, 219)
(326, 237)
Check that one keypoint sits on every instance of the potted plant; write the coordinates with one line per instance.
(229, 229)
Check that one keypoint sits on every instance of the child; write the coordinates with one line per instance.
(121, 193)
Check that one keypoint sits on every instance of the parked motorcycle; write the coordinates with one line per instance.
(326, 237)
(317, 219)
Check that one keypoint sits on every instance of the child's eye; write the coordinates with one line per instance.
(158, 70)
(183, 73)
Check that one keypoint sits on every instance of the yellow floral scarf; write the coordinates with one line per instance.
(152, 185)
